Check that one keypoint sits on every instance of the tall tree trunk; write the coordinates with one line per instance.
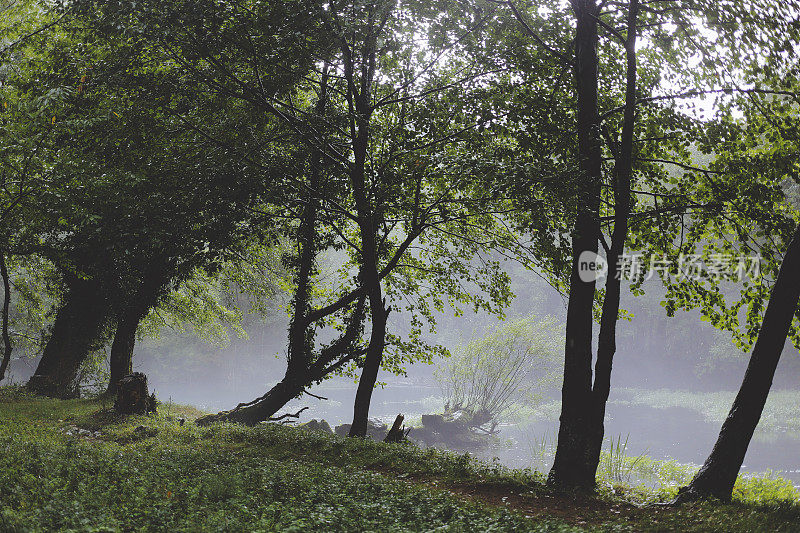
(361, 113)
(718, 474)
(371, 279)
(623, 166)
(581, 432)
(121, 359)
(78, 326)
(571, 467)
(7, 346)
(369, 374)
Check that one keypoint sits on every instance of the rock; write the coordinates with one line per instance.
(317, 425)
(451, 430)
(376, 429)
(144, 432)
(75, 431)
(433, 422)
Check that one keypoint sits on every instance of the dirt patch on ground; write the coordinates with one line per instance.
(572, 508)
(578, 509)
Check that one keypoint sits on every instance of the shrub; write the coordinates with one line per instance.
(516, 364)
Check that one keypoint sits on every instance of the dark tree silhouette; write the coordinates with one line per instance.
(718, 474)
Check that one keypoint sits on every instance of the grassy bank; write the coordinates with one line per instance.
(74, 466)
(781, 413)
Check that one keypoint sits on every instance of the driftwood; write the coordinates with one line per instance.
(460, 430)
(133, 396)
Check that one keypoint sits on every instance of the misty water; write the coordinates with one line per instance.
(673, 382)
(675, 433)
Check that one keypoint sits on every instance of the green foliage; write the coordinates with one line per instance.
(744, 164)
(93, 374)
(109, 176)
(35, 290)
(663, 478)
(614, 465)
(765, 489)
(272, 477)
(221, 478)
(199, 304)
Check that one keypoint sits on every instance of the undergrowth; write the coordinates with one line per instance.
(157, 474)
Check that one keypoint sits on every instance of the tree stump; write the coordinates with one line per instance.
(397, 433)
(133, 397)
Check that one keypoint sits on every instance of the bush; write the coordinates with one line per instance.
(516, 364)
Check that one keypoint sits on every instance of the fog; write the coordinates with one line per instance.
(673, 382)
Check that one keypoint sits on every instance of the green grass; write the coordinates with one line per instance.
(273, 478)
(659, 480)
(781, 413)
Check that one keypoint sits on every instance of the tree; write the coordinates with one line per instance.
(581, 431)
(767, 148)
(19, 172)
(635, 203)
(515, 364)
(132, 206)
(718, 474)
(35, 289)
(392, 151)
(583, 402)
(7, 346)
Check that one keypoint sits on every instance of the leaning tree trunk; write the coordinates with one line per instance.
(718, 474)
(78, 326)
(299, 371)
(260, 409)
(572, 464)
(294, 383)
(379, 313)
